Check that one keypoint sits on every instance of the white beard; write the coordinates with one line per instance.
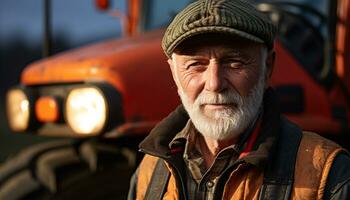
(225, 123)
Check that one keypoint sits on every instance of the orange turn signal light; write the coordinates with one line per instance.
(47, 109)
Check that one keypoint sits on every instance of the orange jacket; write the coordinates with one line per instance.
(306, 155)
(315, 156)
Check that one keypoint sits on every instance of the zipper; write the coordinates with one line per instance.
(223, 179)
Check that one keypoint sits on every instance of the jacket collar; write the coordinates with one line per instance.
(157, 142)
(265, 145)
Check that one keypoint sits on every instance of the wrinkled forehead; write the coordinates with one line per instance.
(225, 43)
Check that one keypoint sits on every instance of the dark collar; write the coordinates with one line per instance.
(270, 131)
(157, 142)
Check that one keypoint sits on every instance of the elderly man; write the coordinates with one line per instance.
(235, 144)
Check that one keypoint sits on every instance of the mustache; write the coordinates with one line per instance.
(227, 97)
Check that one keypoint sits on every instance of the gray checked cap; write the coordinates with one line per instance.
(233, 17)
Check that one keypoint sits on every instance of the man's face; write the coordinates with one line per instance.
(221, 85)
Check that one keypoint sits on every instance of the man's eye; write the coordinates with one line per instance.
(234, 63)
(195, 64)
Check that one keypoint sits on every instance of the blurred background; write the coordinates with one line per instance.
(74, 24)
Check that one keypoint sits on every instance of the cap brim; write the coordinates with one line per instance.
(211, 29)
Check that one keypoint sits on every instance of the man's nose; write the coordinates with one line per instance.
(215, 79)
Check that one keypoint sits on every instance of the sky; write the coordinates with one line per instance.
(78, 20)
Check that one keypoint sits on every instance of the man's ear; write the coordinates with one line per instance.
(171, 65)
(270, 64)
(172, 68)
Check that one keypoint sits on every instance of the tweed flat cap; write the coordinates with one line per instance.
(234, 17)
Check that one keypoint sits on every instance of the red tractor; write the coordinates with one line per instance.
(109, 95)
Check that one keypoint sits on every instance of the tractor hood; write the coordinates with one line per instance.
(136, 67)
(106, 61)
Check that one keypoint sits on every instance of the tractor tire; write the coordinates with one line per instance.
(88, 169)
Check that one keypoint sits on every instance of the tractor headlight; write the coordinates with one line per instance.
(86, 110)
(18, 109)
